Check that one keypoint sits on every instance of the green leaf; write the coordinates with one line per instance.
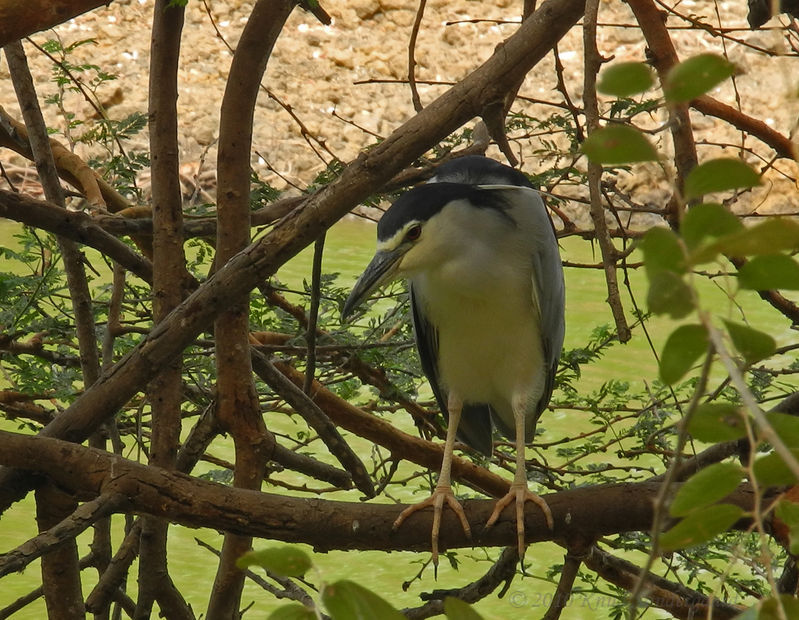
(707, 220)
(669, 294)
(788, 512)
(346, 600)
(618, 144)
(696, 76)
(456, 609)
(624, 79)
(770, 271)
(771, 470)
(684, 346)
(706, 487)
(751, 343)
(662, 252)
(700, 526)
(719, 175)
(287, 561)
(770, 237)
(292, 611)
(786, 426)
(770, 608)
(717, 422)
(749, 614)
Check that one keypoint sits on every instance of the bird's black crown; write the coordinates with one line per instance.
(455, 180)
(423, 202)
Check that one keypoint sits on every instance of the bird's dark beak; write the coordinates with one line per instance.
(381, 270)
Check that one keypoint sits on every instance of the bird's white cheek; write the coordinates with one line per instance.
(413, 262)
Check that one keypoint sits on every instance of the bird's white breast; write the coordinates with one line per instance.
(489, 343)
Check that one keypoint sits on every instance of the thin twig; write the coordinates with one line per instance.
(593, 61)
(664, 493)
(502, 571)
(84, 516)
(678, 600)
(316, 418)
(767, 431)
(417, 22)
(313, 313)
(571, 566)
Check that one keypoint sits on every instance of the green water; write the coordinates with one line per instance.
(349, 246)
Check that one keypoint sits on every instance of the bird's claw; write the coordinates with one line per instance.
(520, 494)
(440, 495)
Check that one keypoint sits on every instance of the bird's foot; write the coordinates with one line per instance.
(520, 494)
(441, 494)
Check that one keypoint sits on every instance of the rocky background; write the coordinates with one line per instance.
(329, 91)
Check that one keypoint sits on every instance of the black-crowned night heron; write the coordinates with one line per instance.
(486, 285)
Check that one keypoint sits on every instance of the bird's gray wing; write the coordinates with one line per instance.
(549, 298)
(475, 428)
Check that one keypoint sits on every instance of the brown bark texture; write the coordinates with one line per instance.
(585, 513)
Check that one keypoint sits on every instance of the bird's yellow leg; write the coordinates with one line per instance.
(520, 493)
(443, 491)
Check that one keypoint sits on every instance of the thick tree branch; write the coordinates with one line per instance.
(85, 515)
(75, 225)
(20, 19)
(664, 57)
(238, 409)
(678, 600)
(60, 570)
(165, 391)
(782, 145)
(582, 513)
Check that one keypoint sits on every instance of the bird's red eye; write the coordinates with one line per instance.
(414, 232)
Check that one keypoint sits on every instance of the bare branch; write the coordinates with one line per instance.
(83, 517)
(571, 566)
(60, 570)
(304, 404)
(678, 600)
(782, 145)
(313, 313)
(75, 225)
(238, 410)
(417, 22)
(165, 391)
(501, 572)
(580, 513)
(71, 168)
(664, 57)
(593, 61)
(19, 19)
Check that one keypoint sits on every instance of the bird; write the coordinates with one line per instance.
(480, 255)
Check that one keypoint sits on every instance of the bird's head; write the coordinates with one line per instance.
(417, 233)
